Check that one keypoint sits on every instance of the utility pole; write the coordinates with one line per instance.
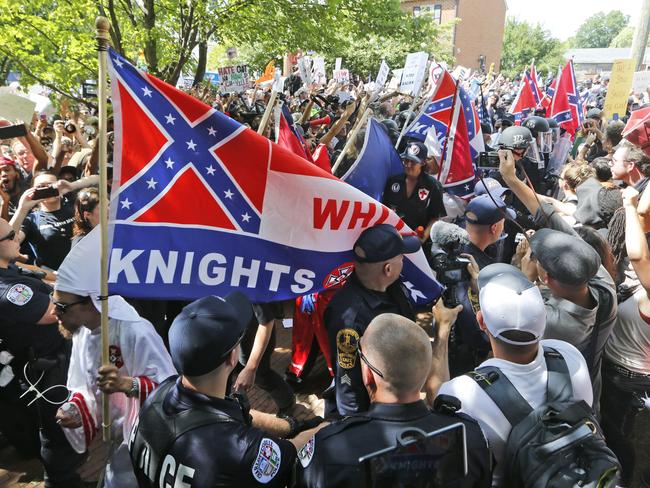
(641, 35)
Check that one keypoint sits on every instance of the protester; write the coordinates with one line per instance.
(415, 195)
(581, 295)
(138, 360)
(513, 316)
(626, 366)
(86, 213)
(48, 230)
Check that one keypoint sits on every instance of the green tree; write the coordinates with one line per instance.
(523, 43)
(600, 29)
(624, 38)
(52, 42)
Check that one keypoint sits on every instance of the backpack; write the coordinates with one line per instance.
(557, 445)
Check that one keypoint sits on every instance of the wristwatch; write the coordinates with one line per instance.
(135, 388)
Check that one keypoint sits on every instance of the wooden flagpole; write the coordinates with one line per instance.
(267, 112)
(102, 27)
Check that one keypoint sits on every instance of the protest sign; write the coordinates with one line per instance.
(14, 107)
(337, 64)
(413, 74)
(278, 80)
(620, 82)
(395, 80)
(641, 81)
(234, 78)
(304, 69)
(318, 71)
(342, 76)
(382, 75)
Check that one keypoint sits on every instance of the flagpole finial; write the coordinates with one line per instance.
(102, 26)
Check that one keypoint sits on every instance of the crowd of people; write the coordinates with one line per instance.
(544, 321)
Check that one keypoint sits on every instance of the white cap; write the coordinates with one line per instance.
(509, 301)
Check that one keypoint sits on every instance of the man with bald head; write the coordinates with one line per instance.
(395, 356)
(372, 289)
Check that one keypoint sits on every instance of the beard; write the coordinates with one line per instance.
(67, 331)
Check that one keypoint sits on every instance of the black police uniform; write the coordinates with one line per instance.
(186, 438)
(24, 299)
(424, 204)
(346, 318)
(330, 458)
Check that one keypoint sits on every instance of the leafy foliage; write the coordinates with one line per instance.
(600, 29)
(523, 43)
(52, 42)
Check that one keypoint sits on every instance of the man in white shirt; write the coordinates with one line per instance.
(513, 315)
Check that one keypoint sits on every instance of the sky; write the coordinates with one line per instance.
(563, 17)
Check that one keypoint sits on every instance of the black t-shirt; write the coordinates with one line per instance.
(424, 204)
(23, 302)
(50, 234)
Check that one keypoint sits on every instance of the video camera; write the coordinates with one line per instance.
(447, 241)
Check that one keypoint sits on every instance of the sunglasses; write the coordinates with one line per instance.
(370, 366)
(61, 308)
(9, 237)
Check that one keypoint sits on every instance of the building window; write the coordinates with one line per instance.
(434, 10)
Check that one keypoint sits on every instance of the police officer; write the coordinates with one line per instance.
(372, 289)
(395, 356)
(415, 195)
(519, 140)
(189, 432)
(31, 347)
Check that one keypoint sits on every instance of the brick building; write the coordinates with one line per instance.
(478, 35)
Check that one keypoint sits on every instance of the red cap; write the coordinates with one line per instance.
(4, 161)
(322, 121)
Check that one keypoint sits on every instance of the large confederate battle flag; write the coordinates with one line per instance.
(202, 205)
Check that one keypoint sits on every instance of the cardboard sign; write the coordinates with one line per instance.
(337, 64)
(641, 81)
(342, 76)
(318, 71)
(234, 78)
(620, 82)
(382, 76)
(278, 81)
(395, 80)
(413, 74)
(304, 69)
(15, 108)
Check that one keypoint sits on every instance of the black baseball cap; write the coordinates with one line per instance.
(206, 330)
(566, 258)
(382, 242)
(415, 151)
(482, 210)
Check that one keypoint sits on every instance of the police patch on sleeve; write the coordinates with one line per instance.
(307, 452)
(267, 463)
(20, 294)
(347, 341)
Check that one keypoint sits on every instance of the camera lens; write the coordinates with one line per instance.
(70, 127)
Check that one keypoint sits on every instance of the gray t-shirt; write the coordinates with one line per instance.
(574, 324)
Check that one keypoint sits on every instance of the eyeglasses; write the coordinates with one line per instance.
(370, 366)
(62, 308)
(9, 237)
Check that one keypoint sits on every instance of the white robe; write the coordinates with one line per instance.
(139, 352)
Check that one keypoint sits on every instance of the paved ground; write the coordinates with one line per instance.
(15, 472)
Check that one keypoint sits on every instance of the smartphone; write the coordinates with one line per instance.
(11, 131)
(45, 192)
